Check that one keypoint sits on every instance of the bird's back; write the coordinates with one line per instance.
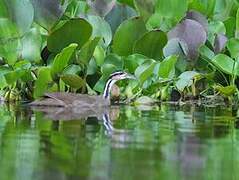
(62, 99)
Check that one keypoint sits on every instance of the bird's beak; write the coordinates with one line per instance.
(130, 76)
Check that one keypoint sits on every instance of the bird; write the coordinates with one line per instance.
(83, 101)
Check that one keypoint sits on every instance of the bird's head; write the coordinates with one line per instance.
(119, 75)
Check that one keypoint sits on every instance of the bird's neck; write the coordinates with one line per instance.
(108, 87)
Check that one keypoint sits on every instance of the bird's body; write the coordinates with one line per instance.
(63, 99)
(83, 101)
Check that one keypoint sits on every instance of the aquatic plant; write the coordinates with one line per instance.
(189, 47)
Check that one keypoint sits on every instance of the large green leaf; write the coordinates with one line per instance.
(185, 80)
(127, 34)
(61, 60)
(42, 82)
(21, 13)
(233, 47)
(145, 7)
(47, 13)
(118, 14)
(225, 64)
(151, 44)
(87, 51)
(73, 80)
(101, 7)
(100, 29)
(171, 8)
(73, 31)
(144, 71)
(206, 6)
(167, 67)
(133, 61)
(31, 45)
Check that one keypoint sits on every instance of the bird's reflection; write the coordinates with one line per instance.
(107, 114)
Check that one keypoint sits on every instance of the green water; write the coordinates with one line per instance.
(162, 142)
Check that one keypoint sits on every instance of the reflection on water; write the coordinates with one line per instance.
(163, 142)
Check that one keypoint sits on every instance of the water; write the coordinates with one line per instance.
(163, 142)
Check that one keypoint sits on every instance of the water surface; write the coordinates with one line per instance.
(163, 142)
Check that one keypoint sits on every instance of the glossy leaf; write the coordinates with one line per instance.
(101, 7)
(144, 71)
(61, 60)
(171, 8)
(186, 80)
(151, 44)
(42, 82)
(100, 29)
(167, 67)
(225, 64)
(233, 47)
(73, 80)
(31, 46)
(192, 33)
(145, 8)
(87, 51)
(21, 13)
(47, 13)
(126, 35)
(73, 31)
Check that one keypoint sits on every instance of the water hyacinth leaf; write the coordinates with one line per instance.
(186, 80)
(223, 9)
(92, 67)
(167, 67)
(127, 2)
(220, 43)
(175, 46)
(3, 10)
(7, 30)
(43, 80)
(216, 27)
(13, 76)
(206, 7)
(31, 46)
(192, 33)
(76, 8)
(145, 70)
(107, 69)
(115, 60)
(73, 31)
(194, 15)
(145, 8)
(133, 61)
(127, 34)
(73, 80)
(72, 69)
(47, 13)
(100, 29)
(225, 64)
(10, 50)
(61, 60)
(4, 70)
(119, 14)
(233, 47)
(87, 51)
(99, 55)
(171, 8)
(21, 13)
(151, 44)
(112, 63)
(230, 25)
(206, 52)
(101, 7)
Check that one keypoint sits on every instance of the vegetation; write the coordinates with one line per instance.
(183, 49)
